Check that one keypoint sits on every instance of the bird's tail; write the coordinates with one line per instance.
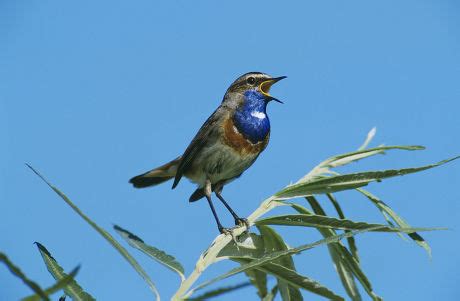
(156, 176)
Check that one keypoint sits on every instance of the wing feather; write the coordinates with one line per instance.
(201, 139)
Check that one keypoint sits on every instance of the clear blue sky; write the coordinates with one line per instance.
(94, 92)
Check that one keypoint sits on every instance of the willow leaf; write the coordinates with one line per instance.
(293, 279)
(351, 240)
(72, 289)
(160, 256)
(259, 280)
(59, 285)
(348, 261)
(319, 221)
(250, 246)
(335, 250)
(256, 263)
(274, 242)
(18, 273)
(219, 291)
(369, 137)
(386, 210)
(271, 295)
(115, 244)
(347, 181)
(344, 159)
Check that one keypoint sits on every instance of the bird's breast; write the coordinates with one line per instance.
(227, 158)
(238, 142)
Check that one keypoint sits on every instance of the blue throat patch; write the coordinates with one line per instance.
(247, 119)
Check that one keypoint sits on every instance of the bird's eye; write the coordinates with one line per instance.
(251, 80)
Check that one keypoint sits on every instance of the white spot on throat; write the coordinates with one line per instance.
(260, 115)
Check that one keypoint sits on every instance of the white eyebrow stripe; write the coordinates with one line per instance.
(260, 115)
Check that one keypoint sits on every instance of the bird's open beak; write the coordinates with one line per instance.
(265, 86)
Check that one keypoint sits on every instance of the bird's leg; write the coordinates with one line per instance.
(207, 192)
(238, 220)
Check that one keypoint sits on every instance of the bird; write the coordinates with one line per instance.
(227, 144)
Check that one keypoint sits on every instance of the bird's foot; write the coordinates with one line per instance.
(242, 222)
(225, 231)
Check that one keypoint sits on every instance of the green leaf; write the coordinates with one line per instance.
(72, 289)
(59, 285)
(346, 276)
(277, 255)
(351, 240)
(369, 137)
(271, 296)
(319, 221)
(259, 280)
(105, 235)
(18, 273)
(250, 246)
(346, 158)
(347, 181)
(160, 256)
(274, 242)
(293, 279)
(343, 159)
(335, 250)
(350, 264)
(387, 211)
(219, 291)
(353, 265)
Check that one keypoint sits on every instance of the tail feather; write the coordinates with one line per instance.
(142, 181)
(197, 195)
(156, 176)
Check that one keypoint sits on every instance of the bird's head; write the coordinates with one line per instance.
(255, 83)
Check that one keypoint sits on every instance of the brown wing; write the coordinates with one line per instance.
(202, 138)
(156, 176)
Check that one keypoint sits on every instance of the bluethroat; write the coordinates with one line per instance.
(226, 145)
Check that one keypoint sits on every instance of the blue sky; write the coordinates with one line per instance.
(95, 92)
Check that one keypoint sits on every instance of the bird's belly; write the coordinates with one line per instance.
(218, 163)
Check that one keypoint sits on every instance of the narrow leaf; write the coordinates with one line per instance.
(271, 296)
(369, 138)
(348, 261)
(343, 159)
(348, 181)
(259, 280)
(347, 158)
(319, 221)
(18, 273)
(160, 256)
(346, 276)
(250, 246)
(220, 291)
(292, 278)
(73, 289)
(387, 211)
(276, 255)
(335, 250)
(351, 240)
(104, 234)
(59, 285)
(274, 242)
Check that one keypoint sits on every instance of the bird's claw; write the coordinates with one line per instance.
(242, 222)
(225, 231)
(239, 222)
(228, 231)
